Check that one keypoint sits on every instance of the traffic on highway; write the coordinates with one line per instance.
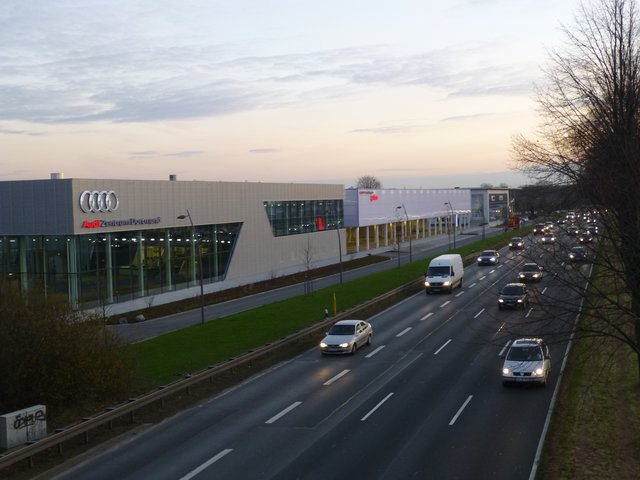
(427, 393)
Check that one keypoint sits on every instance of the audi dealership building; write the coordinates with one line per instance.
(121, 245)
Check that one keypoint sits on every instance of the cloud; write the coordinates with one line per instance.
(264, 150)
(31, 133)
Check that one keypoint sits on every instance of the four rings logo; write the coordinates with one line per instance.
(99, 201)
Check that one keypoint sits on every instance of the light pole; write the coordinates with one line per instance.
(454, 223)
(410, 228)
(334, 209)
(193, 236)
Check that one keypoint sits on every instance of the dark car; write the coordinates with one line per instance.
(514, 295)
(593, 230)
(578, 254)
(530, 272)
(539, 229)
(585, 237)
(489, 257)
(573, 231)
(516, 243)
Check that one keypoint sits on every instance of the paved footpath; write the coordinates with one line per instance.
(421, 249)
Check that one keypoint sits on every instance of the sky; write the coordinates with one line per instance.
(417, 93)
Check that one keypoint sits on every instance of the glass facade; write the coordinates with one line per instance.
(102, 269)
(294, 217)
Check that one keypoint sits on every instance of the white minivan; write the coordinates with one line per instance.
(444, 273)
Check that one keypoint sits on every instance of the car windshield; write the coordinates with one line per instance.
(488, 253)
(438, 272)
(578, 250)
(512, 290)
(516, 239)
(530, 267)
(342, 330)
(524, 354)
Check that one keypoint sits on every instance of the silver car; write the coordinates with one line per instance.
(527, 361)
(346, 336)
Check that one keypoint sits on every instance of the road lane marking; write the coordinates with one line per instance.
(453, 420)
(500, 266)
(478, 314)
(403, 332)
(482, 278)
(376, 407)
(472, 285)
(206, 464)
(445, 344)
(543, 290)
(374, 352)
(445, 303)
(506, 345)
(528, 313)
(337, 377)
(283, 412)
(426, 316)
(460, 293)
(492, 271)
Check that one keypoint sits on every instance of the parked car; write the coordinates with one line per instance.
(530, 272)
(346, 336)
(514, 295)
(548, 238)
(578, 254)
(527, 361)
(489, 257)
(516, 243)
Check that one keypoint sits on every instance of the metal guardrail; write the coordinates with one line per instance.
(111, 414)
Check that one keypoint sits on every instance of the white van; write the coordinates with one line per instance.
(444, 274)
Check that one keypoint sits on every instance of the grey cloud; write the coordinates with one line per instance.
(185, 154)
(264, 150)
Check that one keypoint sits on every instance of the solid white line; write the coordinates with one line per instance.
(283, 412)
(478, 314)
(504, 348)
(338, 376)
(374, 352)
(472, 285)
(453, 420)
(445, 303)
(460, 293)
(445, 344)
(403, 332)
(376, 407)
(195, 472)
(426, 316)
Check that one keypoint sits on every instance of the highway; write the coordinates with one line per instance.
(426, 400)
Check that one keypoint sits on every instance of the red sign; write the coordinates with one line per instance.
(94, 224)
(373, 197)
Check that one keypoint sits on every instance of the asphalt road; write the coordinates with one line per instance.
(424, 401)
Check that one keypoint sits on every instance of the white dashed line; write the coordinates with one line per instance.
(445, 344)
(375, 351)
(376, 407)
(337, 377)
(478, 314)
(472, 285)
(403, 332)
(445, 304)
(208, 463)
(460, 293)
(426, 316)
(283, 412)
(453, 420)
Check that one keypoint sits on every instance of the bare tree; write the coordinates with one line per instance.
(590, 138)
(368, 181)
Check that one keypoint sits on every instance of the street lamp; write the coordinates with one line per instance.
(193, 236)
(454, 223)
(334, 209)
(410, 232)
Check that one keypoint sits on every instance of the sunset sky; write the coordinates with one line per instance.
(418, 93)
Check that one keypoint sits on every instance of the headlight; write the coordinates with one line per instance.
(500, 300)
(447, 283)
(344, 345)
(426, 284)
(521, 275)
(492, 259)
(323, 345)
(505, 371)
(536, 275)
(571, 255)
(538, 371)
(519, 300)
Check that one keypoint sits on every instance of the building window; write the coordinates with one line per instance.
(294, 217)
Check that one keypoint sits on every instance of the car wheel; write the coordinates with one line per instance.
(354, 348)
(369, 340)
(499, 307)
(427, 292)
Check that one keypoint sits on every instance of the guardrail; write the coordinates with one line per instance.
(111, 414)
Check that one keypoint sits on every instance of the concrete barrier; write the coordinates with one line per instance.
(23, 426)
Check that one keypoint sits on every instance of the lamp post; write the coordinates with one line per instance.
(193, 236)
(334, 209)
(410, 230)
(454, 223)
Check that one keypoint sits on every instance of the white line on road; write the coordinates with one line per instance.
(478, 314)
(460, 293)
(482, 278)
(504, 348)
(500, 266)
(426, 316)
(445, 344)
(403, 332)
(195, 472)
(445, 303)
(453, 420)
(543, 290)
(337, 377)
(283, 412)
(374, 352)
(472, 285)
(376, 407)
(492, 271)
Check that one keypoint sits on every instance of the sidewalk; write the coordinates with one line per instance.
(421, 249)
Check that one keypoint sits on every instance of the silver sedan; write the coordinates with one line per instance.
(346, 336)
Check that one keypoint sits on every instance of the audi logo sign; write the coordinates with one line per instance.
(99, 201)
